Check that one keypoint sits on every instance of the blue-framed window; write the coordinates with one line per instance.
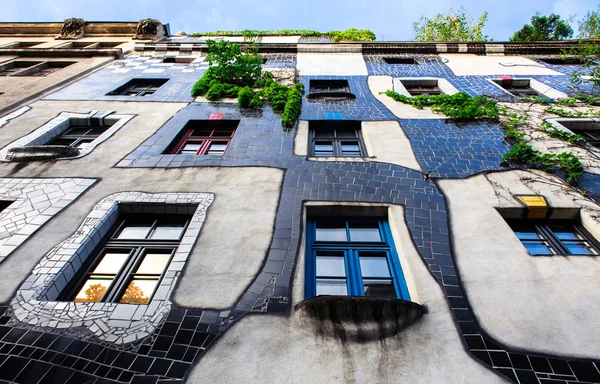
(353, 257)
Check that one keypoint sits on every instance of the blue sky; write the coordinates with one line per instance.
(389, 19)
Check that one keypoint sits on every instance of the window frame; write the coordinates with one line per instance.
(137, 248)
(336, 141)
(351, 249)
(147, 87)
(342, 84)
(205, 141)
(79, 138)
(553, 243)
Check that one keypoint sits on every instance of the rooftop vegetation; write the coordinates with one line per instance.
(337, 36)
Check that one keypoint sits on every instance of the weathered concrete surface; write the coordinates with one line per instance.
(237, 232)
(269, 349)
(547, 304)
(477, 65)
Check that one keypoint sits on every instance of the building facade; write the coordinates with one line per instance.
(148, 236)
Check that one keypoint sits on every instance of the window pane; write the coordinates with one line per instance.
(77, 131)
(565, 235)
(133, 231)
(153, 263)
(61, 141)
(332, 287)
(111, 263)
(374, 266)
(578, 248)
(331, 266)
(345, 133)
(350, 149)
(380, 288)
(324, 132)
(217, 148)
(139, 291)
(527, 235)
(222, 132)
(365, 232)
(168, 232)
(331, 232)
(93, 290)
(537, 248)
(202, 132)
(323, 148)
(191, 148)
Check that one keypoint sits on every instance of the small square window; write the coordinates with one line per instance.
(339, 138)
(422, 87)
(128, 267)
(562, 61)
(329, 86)
(400, 60)
(204, 137)
(14, 67)
(179, 60)
(138, 87)
(554, 237)
(518, 87)
(589, 129)
(79, 136)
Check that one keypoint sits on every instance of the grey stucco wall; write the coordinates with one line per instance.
(547, 304)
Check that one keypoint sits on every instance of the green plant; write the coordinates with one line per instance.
(337, 36)
(450, 27)
(458, 106)
(576, 114)
(565, 136)
(544, 28)
(234, 73)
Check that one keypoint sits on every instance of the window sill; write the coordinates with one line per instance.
(354, 318)
(41, 152)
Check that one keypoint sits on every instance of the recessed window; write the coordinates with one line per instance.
(204, 137)
(422, 87)
(179, 60)
(47, 68)
(138, 87)
(14, 67)
(80, 136)
(329, 86)
(128, 266)
(339, 138)
(400, 60)
(562, 61)
(77, 45)
(352, 257)
(110, 44)
(589, 129)
(554, 237)
(518, 87)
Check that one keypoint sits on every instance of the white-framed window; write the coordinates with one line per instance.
(415, 86)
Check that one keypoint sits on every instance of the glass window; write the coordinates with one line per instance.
(336, 141)
(548, 237)
(130, 264)
(205, 137)
(352, 257)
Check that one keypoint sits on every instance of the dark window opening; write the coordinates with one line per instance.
(204, 137)
(320, 86)
(562, 61)
(265, 59)
(14, 67)
(422, 87)
(400, 60)
(554, 237)
(5, 204)
(179, 60)
(79, 136)
(138, 87)
(590, 130)
(110, 44)
(352, 257)
(77, 45)
(48, 68)
(518, 87)
(29, 44)
(130, 263)
(329, 138)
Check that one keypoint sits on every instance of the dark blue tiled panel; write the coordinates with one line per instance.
(364, 107)
(452, 149)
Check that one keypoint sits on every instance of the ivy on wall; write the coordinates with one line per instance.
(235, 73)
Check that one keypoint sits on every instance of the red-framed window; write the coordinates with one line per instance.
(205, 137)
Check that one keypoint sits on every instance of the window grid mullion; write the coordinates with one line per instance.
(591, 240)
(114, 291)
(552, 240)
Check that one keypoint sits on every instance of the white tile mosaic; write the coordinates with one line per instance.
(35, 304)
